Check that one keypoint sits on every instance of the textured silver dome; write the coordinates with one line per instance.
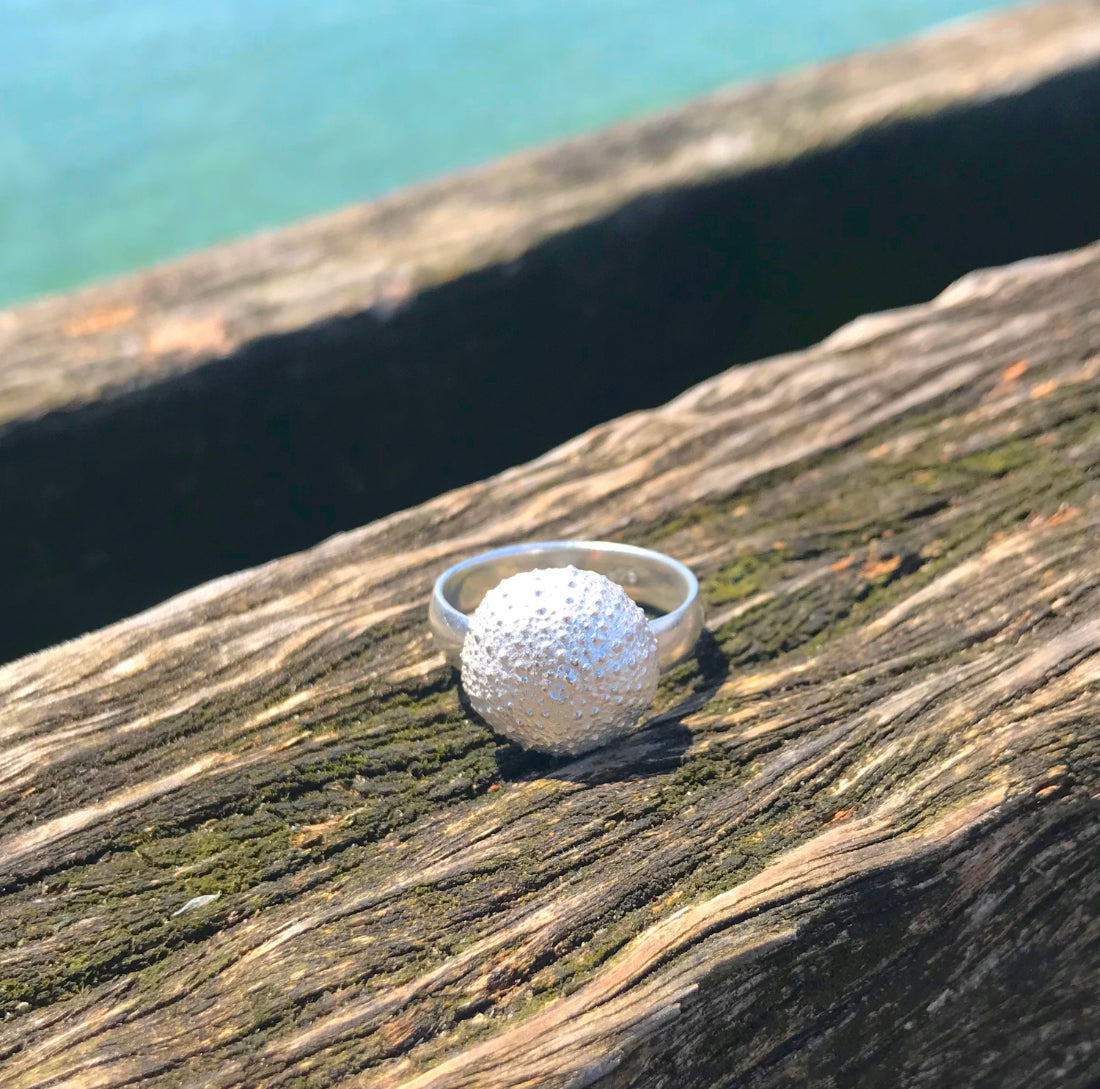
(559, 660)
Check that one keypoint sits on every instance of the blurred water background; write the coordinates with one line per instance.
(136, 130)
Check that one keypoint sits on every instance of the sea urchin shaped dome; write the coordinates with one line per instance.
(559, 660)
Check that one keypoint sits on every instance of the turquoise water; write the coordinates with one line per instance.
(135, 130)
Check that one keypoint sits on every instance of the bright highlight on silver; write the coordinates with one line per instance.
(557, 654)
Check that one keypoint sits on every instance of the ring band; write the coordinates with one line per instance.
(652, 579)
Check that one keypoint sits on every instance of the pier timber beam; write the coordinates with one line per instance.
(252, 838)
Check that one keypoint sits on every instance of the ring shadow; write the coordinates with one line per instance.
(655, 747)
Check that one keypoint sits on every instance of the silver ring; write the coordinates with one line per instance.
(552, 640)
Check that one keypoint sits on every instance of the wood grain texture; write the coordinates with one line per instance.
(252, 838)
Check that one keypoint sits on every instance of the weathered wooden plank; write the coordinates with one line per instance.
(77, 348)
(251, 838)
(223, 410)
